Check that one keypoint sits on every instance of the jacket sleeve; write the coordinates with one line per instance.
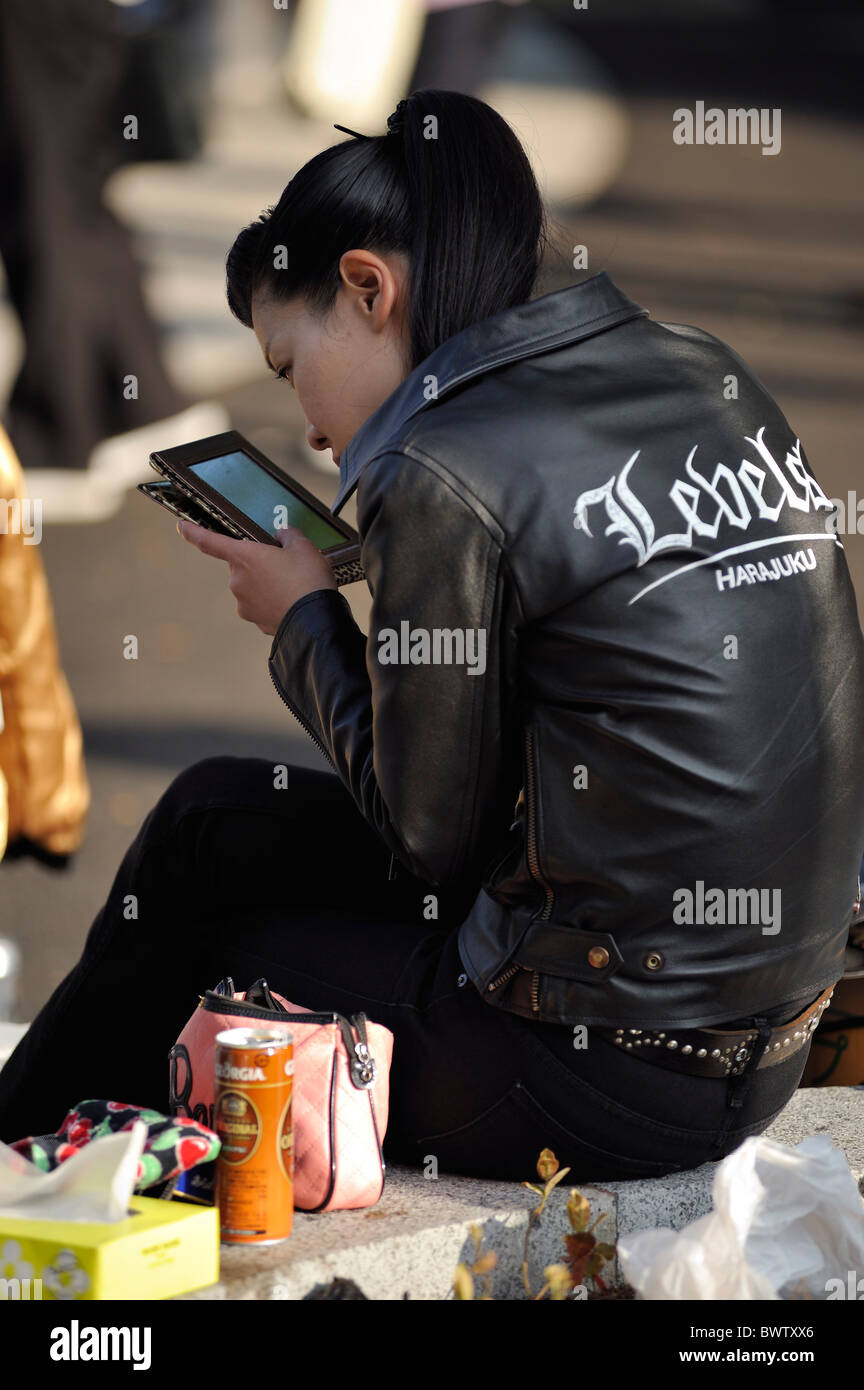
(421, 744)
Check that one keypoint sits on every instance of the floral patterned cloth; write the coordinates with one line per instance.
(173, 1144)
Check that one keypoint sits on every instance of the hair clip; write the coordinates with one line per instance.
(396, 122)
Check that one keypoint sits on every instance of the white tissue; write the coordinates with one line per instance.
(94, 1185)
(785, 1222)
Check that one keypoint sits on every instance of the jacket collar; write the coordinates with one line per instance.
(553, 320)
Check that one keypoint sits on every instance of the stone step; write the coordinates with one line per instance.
(408, 1246)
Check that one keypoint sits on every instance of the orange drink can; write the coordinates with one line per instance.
(252, 1117)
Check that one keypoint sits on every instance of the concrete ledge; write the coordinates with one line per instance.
(408, 1245)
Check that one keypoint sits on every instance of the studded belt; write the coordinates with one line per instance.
(717, 1051)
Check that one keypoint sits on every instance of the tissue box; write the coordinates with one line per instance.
(164, 1248)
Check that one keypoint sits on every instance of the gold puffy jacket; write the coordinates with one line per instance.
(44, 791)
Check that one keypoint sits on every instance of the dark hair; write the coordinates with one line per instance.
(456, 194)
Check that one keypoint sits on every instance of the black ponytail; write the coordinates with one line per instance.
(449, 186)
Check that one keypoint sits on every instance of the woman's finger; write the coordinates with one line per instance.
(209, 542)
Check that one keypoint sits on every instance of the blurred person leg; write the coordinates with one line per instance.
(71, 274)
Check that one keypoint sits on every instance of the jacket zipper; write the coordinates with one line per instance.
(300, 720)
(508, 974)
(535, 992)
(534, 867)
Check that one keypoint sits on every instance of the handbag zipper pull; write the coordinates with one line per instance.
(362, 1067)
(361, 1063)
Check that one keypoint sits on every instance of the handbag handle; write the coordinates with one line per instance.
(259, 993)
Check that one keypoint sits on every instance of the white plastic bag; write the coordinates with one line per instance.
(785, 1222)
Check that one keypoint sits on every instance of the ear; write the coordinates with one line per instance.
(372, 284)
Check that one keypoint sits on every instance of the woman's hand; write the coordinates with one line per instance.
(264, 579)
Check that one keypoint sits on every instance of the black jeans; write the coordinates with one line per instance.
(233, 874)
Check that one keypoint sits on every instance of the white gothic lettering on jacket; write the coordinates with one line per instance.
(743, 499)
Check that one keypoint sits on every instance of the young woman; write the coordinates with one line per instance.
(591, 839)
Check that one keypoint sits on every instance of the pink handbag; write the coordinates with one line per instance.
(341, 1092)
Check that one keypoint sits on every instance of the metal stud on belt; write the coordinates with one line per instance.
(647, 1038)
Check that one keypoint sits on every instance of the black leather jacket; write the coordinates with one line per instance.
(647, 743)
